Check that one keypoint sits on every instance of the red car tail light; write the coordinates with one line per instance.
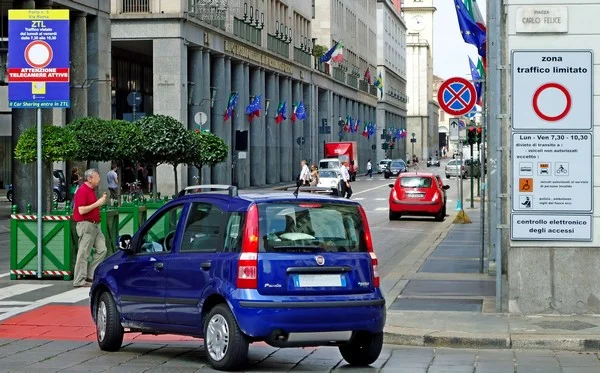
(369, 242)
(248, 262)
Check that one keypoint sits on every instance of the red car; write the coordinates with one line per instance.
(418, 194)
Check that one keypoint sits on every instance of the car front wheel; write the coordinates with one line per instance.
(225, 344)
(109, 331)
(363, 349)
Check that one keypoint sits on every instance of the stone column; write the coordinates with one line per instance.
(272, 132)
(334, 119)
(242, 162)
(297, 131)
(324, 99)
(257, 132)
(344, 108)
(236, 123)
(170, 69)
(285, 131)
(195, 73)
(206, 107)
(222, 95)
(310, 124)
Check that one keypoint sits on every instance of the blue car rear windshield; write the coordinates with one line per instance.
(398, 164)
(306, 227)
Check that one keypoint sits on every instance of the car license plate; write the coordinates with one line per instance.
(310, 281)
(416, 195)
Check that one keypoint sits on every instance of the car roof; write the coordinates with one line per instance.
(262, 197)
(419, 174)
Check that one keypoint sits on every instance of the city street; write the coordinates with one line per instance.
(46, 326)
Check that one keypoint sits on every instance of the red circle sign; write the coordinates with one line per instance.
(38, 54)
(536, 106)
(457, 96)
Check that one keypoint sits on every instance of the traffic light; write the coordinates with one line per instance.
(479, 135)
(471, 136)
(391, 146)
(384, 146)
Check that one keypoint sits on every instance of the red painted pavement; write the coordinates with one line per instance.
(73, 323)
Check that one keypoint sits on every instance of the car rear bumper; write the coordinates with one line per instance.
(405, 207)
(263, 319)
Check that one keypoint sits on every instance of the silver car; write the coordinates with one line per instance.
(383, 164)
(454, 168)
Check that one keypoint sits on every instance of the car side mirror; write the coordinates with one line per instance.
(446, 187)
(124, 242)
(391, 185)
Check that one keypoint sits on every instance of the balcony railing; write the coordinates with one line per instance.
(247, 32)
(374, 90)
(278, 46)
(339, 75)
(302, 57)
(352, 81)
(322, 66)
(363, 86)
(211, 14)
(135, 6)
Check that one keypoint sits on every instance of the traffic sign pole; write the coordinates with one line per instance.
(471, 174)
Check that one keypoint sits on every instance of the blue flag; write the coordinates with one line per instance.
(470, 31)
(301, 111)
(233, 99)
(327, 56)
(476, 80)
(253, 110)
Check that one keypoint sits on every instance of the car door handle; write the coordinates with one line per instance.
(159, 266)
(205, 265)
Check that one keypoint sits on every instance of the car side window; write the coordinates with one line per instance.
(159, 235)
(203, 228)
(233, 233)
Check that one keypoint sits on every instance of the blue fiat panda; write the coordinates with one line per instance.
(290, 270)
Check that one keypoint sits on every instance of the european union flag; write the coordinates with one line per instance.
(301, 111)
(253, 110)
(471, 32)
(327, 56)
(476, 80)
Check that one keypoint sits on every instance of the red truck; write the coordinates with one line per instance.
(344, 150)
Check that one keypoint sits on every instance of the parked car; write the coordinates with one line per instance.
(455, 168)
(383, 164)
(396, 167)
(433, 161)
(418, 194)
(236, 269)
(331, 179)
(59, 188)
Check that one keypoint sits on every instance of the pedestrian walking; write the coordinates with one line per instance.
(304, 178)
(346, 188)
(369, 169)
(86, 214)
(112, 180)
(314, 175)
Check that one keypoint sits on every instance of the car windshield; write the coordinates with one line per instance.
(397, 164)
(300, 227)
(453, 163)
(434, 159)
(329, 164)
(384, 162)
(326, 174)
(415, 182)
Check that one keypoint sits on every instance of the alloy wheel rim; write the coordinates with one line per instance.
(101, 321)
(217, 337)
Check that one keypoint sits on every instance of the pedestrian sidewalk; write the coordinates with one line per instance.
(440, 298)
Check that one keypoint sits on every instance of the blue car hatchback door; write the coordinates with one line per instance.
(235, 269)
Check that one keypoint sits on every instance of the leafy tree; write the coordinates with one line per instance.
(96, 137)
(58, 144)
(164, 141)
(319, 50)
(128, 145)
(207, 150)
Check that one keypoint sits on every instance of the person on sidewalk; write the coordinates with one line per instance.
(369, 169)
(113, 183)
(346, 188)
(86, 214)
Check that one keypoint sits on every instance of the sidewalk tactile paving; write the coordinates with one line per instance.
(450, 288)
(420, 304)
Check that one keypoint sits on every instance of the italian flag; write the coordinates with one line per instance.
(338, 53)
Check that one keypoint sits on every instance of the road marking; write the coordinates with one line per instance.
(14, 303)
(11, 291)
(368, 190)
(380, 199)
(359, 199)
(71, 296)
(382, 209)
(5, 274)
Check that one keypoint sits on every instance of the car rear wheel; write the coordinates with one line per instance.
(109, 331)
(394, 215)
(225, 344)
(363, 349)
(447, 176)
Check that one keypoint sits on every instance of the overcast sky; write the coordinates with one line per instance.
(449, 50)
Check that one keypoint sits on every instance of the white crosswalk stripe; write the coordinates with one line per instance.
(56, 294)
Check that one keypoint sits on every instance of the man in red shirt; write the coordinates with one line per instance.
(86, 213)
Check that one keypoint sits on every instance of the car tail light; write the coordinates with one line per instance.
(369, 242)
(394, 194)
(436, 196)
(248, 263)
